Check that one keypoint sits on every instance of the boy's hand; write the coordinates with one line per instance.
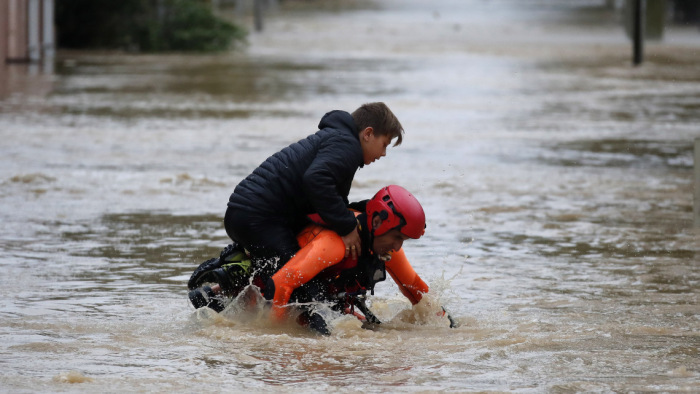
(352, 244)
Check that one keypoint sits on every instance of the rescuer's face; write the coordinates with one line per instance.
(388, 242)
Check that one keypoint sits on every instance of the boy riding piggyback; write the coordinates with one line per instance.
(270, 206)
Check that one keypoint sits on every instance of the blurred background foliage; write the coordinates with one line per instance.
(192, 25)
(144, 25)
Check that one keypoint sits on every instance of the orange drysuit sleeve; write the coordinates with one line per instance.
(321, 248)
(410, 284)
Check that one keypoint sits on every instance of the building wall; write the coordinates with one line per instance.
(14, 28)
(3, 30)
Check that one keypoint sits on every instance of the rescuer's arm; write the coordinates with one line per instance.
(410, 284)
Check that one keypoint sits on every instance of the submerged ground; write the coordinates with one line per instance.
(556, 177)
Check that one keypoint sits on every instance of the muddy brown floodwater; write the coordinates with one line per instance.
(556, 178)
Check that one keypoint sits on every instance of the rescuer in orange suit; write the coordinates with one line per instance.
(320, 270)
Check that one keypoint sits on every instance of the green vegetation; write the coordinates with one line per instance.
(143, 25)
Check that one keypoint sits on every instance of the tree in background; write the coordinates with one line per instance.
(143, 25)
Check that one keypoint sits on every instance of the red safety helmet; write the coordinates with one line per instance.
(398, 209)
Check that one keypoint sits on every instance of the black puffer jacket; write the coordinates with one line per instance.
(313, 175)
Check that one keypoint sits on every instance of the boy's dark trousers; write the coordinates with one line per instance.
(270, 241)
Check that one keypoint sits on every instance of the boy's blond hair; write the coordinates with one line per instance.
(380, 118)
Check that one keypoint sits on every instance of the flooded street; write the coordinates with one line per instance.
(556, 180)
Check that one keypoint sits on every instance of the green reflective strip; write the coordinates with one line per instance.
(243, 264)
(236, 257)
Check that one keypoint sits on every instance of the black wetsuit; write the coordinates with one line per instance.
(349, 276)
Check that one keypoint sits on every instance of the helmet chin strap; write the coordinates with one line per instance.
(371, 240)
(385, 257)
(371, 236)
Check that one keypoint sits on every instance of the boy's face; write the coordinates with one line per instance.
(373, 147)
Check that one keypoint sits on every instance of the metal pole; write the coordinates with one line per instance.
(47, 31)
(258, 14)
(696, 181)
(33, 31)
(637, 32)
(12, 29)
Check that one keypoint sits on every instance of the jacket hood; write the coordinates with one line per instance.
(338, 120)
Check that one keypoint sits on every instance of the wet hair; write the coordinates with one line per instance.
(380, 118)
